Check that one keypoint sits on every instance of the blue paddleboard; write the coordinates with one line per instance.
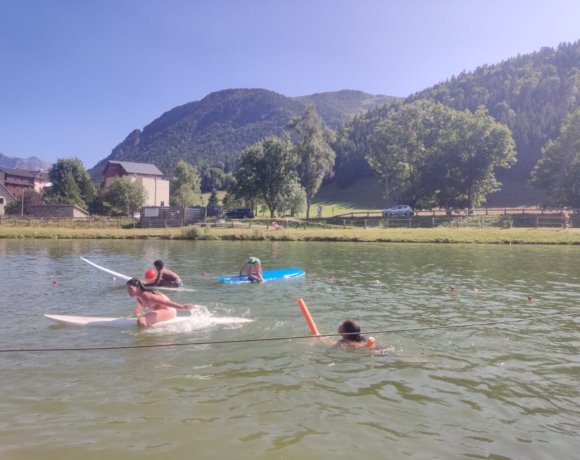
(268, 275)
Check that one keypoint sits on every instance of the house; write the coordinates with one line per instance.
(5, 198)
(147, 175)
(15, 180)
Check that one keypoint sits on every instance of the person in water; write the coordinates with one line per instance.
(165, 277)
(161, 308)
(350, 332)
(254, 268)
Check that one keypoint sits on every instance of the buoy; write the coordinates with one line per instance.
(150, 274)
(204, 274)
(113, 278)
(452, 288)
(307, 316)
(370, 342)
(331, 277)
(55, 282)
(530, 297)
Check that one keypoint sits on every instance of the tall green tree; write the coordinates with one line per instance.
(477, 145)
(264, 170)
(293, 199)
(125, 197)
(440, 156)
(313, 148)
(213, 198)
(558, 171)
(400, 145)
(186, 185)
(71, 184)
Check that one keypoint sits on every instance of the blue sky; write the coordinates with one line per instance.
(77, 76)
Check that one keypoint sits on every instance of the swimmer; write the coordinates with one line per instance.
(254, 267)
(161, 308)
(350, 332)
(165, 277)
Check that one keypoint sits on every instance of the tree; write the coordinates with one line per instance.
(71, 183)
(125, 197)
(213, 199)
(293, 199)
(186, 185)
(31, 198)
(558, 171)
(264, 170)
(439, 156)
(316, 155)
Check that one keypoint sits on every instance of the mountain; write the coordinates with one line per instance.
(31, 163)
(219, 127)
(532, 94)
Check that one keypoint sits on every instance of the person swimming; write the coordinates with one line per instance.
(254, 267)
(351, 336)
(165, 277)
(161, 308)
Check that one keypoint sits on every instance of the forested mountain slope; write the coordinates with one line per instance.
(532, 94)
(217, 128)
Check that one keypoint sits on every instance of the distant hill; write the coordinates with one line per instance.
(531, 94)
(31, 163)
(221, 125)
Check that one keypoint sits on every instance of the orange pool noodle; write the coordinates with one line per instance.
(307, 316)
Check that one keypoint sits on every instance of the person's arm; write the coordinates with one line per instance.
(138, 308)
(243, 268)
(152, 298)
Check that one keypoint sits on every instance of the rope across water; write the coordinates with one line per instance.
(296, 337)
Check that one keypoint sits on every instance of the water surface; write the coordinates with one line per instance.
(501, 391)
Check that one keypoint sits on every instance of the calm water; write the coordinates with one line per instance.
(493, 392)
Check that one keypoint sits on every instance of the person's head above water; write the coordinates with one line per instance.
(158, 264)
(350, 330)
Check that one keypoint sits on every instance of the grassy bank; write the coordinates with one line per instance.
(399, 235)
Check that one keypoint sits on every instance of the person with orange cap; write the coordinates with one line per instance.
(165, 277)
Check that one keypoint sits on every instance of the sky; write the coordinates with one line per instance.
(77, 76)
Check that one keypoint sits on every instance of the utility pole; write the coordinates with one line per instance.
(387, 188)
(22, 211)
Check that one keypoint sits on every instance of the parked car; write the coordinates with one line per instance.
(240, 213)
(400, 210)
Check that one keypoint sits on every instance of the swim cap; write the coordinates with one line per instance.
(150, 274)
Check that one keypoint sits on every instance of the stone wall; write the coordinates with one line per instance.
(57, 210)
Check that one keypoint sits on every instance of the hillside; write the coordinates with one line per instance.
(31, 163)
(531, 94)
(218, 127)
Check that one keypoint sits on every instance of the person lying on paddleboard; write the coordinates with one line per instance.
(350, 332)
(165, 277)
(162, 309)
(254, 270)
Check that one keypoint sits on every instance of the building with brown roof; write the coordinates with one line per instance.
(15, 180)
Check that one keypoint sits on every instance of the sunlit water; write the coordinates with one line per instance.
(493, 392)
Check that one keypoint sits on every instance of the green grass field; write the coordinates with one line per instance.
(368, 195)
(249, 230)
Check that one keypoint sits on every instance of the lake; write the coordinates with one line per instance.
(487, 392)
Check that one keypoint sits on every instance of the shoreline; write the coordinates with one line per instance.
(557, 236)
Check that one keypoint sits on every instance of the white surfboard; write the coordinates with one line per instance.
(110, 272)
(127, 278)
(128, 322)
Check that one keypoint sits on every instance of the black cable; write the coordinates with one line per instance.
(270, 339)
